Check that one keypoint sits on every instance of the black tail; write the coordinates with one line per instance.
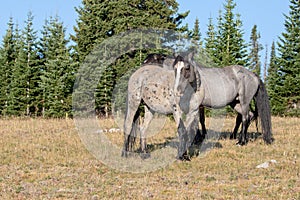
(263, 108)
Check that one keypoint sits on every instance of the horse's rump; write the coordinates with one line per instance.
(154, 85)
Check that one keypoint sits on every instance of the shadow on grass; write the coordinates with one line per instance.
(211, 141)
(252, 136)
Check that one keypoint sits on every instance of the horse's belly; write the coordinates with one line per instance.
(158, 105)
(219, 97)
(158, 97)
(214, 104)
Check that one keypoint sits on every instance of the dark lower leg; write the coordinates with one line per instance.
(200, 137)
(202, 121)
(238, 122)
(182, 149)
(243, 135)
(126, 146)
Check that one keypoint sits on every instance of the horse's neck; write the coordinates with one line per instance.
(168, 63)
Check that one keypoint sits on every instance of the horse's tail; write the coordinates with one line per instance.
(263, 109)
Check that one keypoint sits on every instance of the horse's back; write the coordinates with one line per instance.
(145, 73)
(150, 72)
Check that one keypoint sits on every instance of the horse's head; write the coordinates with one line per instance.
(185, 74)
(155, 58)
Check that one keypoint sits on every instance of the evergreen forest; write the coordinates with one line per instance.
(39, 67)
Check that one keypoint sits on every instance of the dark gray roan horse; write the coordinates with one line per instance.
(232, 85)
(153, 85)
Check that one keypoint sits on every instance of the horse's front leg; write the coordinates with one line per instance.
(200, 137)
(183, 137)
(192, 126)
(181, 130)
(186, 123)
(187, 129)
(196, 113)
(202, 120)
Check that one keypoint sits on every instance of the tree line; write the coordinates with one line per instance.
(38, 72)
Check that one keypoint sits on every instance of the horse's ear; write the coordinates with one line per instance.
(175, 54)
(191, 56)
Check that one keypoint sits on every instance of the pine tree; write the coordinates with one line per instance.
(211, 42)
(25, 74)
(218, 52)
(274, 83)
(255, 48)
(202, 56)
(288, 60)
(57, 74)
(231, 47)
(8, 56)
(196, 34)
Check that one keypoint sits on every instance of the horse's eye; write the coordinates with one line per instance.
(187, 67)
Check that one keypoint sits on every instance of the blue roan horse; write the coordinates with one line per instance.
(232, 85)
(153, 85)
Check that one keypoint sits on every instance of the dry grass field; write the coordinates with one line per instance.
(45, 159)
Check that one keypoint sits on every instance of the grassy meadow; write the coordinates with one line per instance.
(45, 159)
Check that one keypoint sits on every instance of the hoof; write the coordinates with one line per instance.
(198, 140)
(184, 158)
(126, 154)
(232, 137)
(240, 143)
(145, 155)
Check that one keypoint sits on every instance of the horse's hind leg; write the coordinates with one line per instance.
(243, 117)
(132, 107)
(147, 119)
(245, 124)
(238, 122)
(252, 116)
